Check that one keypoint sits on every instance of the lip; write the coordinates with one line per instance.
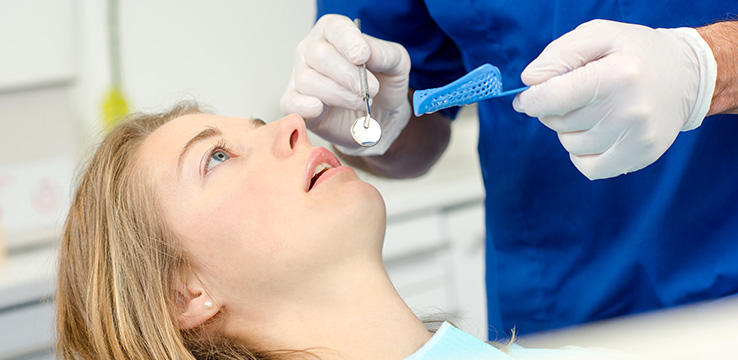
(316, 157)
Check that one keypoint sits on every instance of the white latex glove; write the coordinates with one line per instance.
(325, 87)
(618, 94)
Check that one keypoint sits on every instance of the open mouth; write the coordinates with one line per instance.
(317, 173)
(320, 165)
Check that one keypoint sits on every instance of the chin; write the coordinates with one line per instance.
(370, 203)
(350, 199)
(371, 196)
(349, 222)
(362, 205)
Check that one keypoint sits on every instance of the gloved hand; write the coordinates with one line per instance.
(618, 94)
(325, 87)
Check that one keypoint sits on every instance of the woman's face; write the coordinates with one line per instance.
(252, 214)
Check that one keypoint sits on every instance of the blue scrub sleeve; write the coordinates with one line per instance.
(435, 58)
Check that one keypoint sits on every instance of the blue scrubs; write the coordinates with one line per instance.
(561, 249)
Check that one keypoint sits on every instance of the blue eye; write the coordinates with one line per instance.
(216, 158)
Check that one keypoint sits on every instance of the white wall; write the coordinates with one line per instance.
(234, 55)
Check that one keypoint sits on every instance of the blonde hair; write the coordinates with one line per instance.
(119, 263)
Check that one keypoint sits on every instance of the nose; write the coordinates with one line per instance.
(291, 134)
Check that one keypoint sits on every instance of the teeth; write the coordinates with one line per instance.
(317, 172)
(320, 168)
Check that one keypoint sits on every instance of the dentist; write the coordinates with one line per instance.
(625, 94)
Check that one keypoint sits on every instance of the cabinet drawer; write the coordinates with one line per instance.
(413, 235)
(424, 281)
(26, 330)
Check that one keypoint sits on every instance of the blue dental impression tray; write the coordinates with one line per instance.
(484, 82)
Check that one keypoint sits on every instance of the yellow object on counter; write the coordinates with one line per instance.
(115, 108)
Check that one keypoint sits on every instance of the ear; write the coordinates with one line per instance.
(195, 305)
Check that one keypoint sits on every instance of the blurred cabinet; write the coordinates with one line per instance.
(38, 132)
(26, 308)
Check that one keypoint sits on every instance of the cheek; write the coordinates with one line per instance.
(257, 244)
(242, 227)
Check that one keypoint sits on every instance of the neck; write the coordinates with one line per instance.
(356, 315)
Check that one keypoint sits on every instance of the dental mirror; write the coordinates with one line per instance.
(365, 131)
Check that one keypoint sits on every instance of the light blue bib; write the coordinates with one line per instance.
(452, 343)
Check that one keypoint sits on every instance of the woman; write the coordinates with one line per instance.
(196, 236)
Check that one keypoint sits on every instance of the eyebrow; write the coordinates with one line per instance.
(208, 133)
(202, 135)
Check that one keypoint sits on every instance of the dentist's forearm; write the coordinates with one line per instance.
(723, 40)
